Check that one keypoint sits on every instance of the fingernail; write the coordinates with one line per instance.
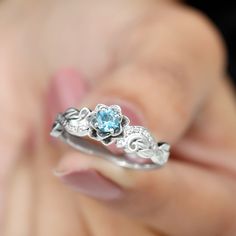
(132, 112)
(91, 183)
(129, 109)
(67, 89)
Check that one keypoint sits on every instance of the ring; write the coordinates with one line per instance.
(107, 125)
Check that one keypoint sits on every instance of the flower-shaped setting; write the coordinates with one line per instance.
(107, 123)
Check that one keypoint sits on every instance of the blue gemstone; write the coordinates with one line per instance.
(108, 120)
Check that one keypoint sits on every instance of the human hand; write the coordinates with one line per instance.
(160, 60)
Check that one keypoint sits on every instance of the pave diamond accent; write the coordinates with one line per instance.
(138, 140)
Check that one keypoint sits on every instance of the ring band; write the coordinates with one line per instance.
(108, 125)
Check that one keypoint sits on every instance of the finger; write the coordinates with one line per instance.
(161, 200)
(166, 73)
(19, 102)
(12, 125)
(211, 139)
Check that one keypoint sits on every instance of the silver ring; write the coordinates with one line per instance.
(108, 125)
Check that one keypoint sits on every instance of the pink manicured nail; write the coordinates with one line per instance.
(129, 109)
(92, 183)
(67, 89)
(132, 113)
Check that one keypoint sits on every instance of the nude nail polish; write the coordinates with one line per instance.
(91, 183)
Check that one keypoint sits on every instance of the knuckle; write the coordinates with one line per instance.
(167, 96)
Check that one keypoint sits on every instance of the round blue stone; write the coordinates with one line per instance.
(108, 120)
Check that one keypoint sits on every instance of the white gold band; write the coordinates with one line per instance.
(107, 125)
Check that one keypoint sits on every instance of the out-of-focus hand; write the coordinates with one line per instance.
(165, 64)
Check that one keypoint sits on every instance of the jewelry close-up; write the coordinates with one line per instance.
(107, 125)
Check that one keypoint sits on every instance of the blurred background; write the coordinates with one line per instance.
(223, 14)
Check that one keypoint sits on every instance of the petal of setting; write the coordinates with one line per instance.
(117, 131)
(116, 108)
(103, 135)
(125, 121)
(93, 134)
(107, 141)
(100, 106)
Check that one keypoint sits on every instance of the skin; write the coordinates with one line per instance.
(171, 53)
